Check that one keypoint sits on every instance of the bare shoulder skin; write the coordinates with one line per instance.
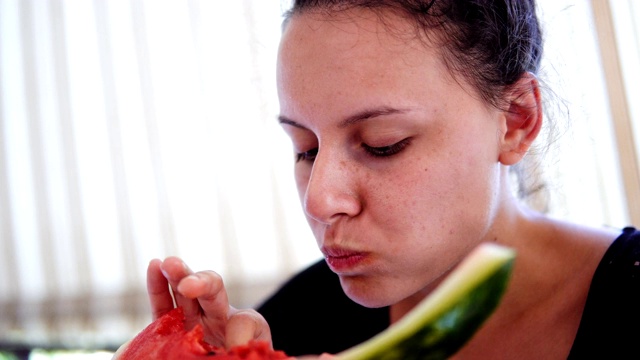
(542, 308)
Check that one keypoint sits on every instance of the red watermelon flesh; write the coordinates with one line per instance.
(166, 338)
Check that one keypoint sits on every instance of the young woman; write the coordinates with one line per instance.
(406, 117)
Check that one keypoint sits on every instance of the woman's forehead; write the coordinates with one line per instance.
(380, 21)
(355, 36)
(328, 66)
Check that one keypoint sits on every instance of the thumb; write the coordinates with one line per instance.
(245, 325)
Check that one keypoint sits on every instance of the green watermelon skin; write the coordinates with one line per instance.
(444, 322)
(450, 332)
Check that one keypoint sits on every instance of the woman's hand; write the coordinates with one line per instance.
(204, 299)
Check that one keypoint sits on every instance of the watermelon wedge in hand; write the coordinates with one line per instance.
(435, 329)
(166, 338)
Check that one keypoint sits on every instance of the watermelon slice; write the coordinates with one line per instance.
(435, 329)
(444, 321)
(166, 338)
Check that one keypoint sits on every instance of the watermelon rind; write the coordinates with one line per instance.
(446, 319)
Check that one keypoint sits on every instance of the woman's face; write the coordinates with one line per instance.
(397, 164)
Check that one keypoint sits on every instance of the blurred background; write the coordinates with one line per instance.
(133, 130)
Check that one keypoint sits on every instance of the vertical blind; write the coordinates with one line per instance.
(132, 130)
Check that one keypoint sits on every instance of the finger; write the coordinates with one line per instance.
(158, 290)
(245, 325)
(174, 269)
(208, 288)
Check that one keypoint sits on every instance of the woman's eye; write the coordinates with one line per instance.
(389, 150)
(309, 155)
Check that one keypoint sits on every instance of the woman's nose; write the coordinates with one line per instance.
(332, 189)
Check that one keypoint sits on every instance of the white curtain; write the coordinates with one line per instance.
(582, 165)
(132, 129)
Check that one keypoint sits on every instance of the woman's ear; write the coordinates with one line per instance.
(523, 119)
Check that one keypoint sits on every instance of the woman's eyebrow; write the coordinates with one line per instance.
(370, 113)
(284, 120)
(353, 119)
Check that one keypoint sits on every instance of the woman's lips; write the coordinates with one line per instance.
(343, 260)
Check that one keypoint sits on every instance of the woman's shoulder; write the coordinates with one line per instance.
(619, 269)
(625, 250)
(620, 252)
(609, 322)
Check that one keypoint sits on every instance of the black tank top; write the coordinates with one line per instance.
(610, 325)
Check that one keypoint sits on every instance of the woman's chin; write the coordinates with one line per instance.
(367, 294)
